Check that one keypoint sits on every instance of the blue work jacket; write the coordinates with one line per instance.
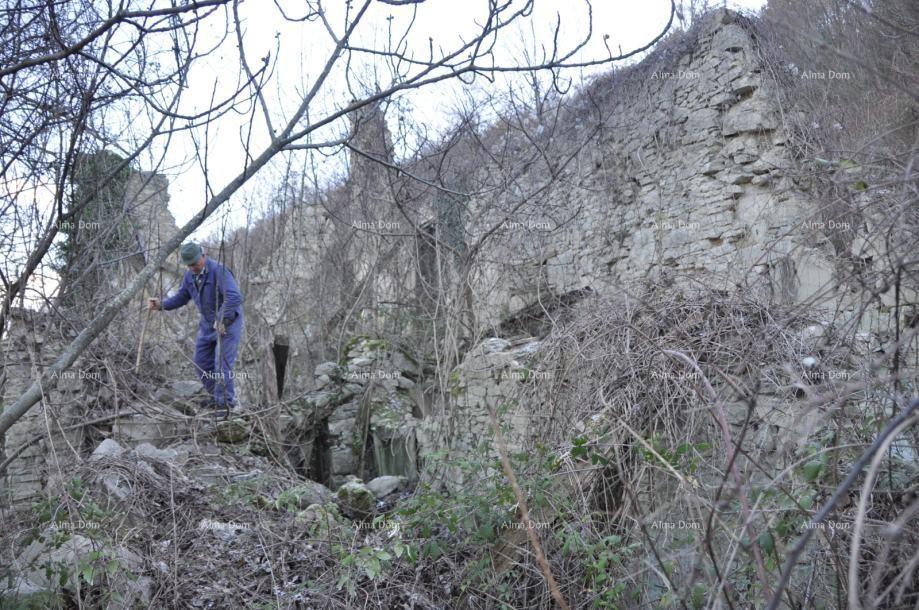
(216, 294)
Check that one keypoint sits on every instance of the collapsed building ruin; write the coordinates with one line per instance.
(391, 317)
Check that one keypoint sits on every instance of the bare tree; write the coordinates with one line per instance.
(290, 129)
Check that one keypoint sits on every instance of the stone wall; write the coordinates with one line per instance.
(31, 344)
(679, 174)
(85, 391)
(688, 183)
(685, 181)
(373, 403)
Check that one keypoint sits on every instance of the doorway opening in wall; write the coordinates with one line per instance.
(280, 349)
(319, 467)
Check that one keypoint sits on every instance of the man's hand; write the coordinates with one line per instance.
(153, 304)
(220, 328)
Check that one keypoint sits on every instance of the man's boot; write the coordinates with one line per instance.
(220, 411)
(209, 408)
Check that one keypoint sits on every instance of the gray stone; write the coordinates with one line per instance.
(329, 369)
(750, 115)
(342, 460)
(402, 362)
(306, 493)
(341, 429)
(70, 557)
(322, 381)
(385, 485)
(107, 448)
(494, 344)
(116, 486)
(731, 38)
(323, 519)
(30, 562)
(186, 389)
(156, 430)
(355, 496)
(345, 411)
(701, 120)
(232, 431)
(146, 450)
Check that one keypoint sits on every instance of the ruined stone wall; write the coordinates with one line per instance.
(31, 344)
(85, 391)
(685, 181)
(688, 183)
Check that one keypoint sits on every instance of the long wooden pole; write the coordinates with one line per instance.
(140, 345)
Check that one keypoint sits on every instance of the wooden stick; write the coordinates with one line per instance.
(140, 345)
(525, 514)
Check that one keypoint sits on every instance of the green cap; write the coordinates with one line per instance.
(190, 253)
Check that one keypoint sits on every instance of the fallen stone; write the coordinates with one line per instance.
(186, 389)
(494, 344)
(330, 369)
(385, 485)
(63, 556)
(45, 566)
(116, 486)
(232, 431)
(305, 494)
(146, 450)
(355, 497)
(107, 448)
(156, 430)
(322, 519)
(322, 381)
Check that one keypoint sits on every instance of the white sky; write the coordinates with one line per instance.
(299, 51)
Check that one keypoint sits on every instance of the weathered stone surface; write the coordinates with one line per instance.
(355, 497)
(731, 38)
(232, 431)
(107, 448)
(146, 450)
(385, 485)
(329, 369)
(42, 566)
(323, 520)
(343, 461)
(308, 493)
(752, 115)
(186, 388)
(157, 430)
(322, 381)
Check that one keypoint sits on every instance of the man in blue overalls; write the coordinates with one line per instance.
(214, 290)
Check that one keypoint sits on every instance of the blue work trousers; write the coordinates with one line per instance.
(216, 370)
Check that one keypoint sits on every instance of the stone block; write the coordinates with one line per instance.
(751, 115)
(157, 430)
(342, 460)
(107, 448)
(385, 485)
